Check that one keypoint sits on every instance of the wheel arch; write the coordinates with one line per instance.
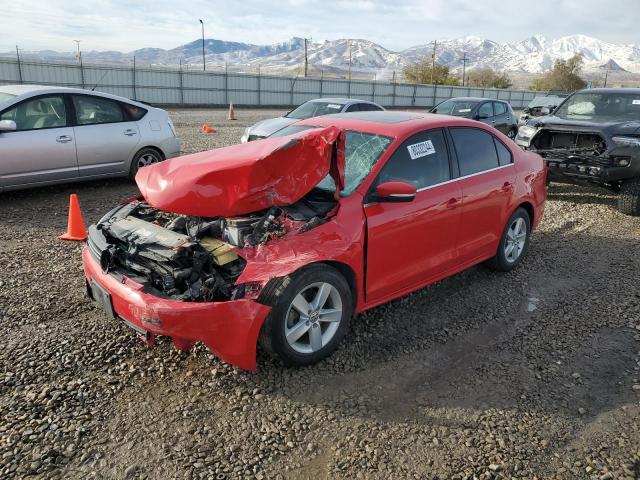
(152, 147)
(527, 207)
(275, 286)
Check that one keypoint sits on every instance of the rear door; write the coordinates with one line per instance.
(42, 148)
(501, 117)
(106, 137)
(485, 113)
(410, 243)
(487, 180)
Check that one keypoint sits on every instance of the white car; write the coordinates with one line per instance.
(54, 134)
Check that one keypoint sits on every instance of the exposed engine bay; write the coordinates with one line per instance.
(561, 145)
(195, 259)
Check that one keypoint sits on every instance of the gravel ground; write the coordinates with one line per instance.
(531, 374)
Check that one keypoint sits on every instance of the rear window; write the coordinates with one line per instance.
(476, 150)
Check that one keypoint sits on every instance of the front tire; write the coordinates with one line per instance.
(309, 317)
(514, 242)
(629, 199)
(512, 134)
(144, 157)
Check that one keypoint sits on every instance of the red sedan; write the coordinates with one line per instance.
(282, 240)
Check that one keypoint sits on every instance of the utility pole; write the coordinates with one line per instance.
(19, 65)
(204, 65)
(306, 59)
(433, 59)
(349, 59)
(464, 65)
(79, 57)
(606, 76)
(79, 53)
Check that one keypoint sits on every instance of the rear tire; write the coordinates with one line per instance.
(512, 134)
(629, 199)
(144, 157)
(514, 242)
(300, 339)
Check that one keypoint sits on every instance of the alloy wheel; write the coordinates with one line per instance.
(515, 240)
(313, 317)
(147, 159)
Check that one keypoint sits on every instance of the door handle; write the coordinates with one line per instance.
(451, 203)
(130, 132)
(64, 139)
(507, 186)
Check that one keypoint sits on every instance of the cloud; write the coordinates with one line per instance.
(125, 26)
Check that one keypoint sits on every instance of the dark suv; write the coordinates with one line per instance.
(593, 137)
(496, 113)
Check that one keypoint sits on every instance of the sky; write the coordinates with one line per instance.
(127, 25)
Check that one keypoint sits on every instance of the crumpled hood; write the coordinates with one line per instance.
(245, 178)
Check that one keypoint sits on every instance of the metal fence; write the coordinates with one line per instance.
(188, 88)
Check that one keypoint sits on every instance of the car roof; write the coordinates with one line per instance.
(340, 100)
(610, 90)
(476, 99)
(29, 90)
(389, 123)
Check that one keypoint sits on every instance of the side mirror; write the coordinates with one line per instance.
(545, 111)
(7, 126)
(481, 116)
(395, 191)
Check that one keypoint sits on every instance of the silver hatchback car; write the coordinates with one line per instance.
(54, 134)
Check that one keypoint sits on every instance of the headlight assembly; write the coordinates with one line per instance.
(626, 141)
(526, 131)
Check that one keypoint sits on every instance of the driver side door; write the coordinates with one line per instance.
(42, 148)
(410, 244)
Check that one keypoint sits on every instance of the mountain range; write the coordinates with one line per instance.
(532, 55)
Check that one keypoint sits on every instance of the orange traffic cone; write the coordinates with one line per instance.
(75, 225)
(232, 113)
(207, 129)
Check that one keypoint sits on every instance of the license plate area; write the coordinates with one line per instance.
(103, 298)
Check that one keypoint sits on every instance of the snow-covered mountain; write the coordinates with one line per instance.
(531, 55)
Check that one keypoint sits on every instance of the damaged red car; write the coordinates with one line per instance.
(281, 240)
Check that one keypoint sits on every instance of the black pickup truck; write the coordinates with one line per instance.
(592, 137)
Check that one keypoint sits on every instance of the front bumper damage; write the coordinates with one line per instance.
(229, 329)
(583, 165)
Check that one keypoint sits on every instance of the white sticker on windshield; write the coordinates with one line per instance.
(421, 149)
(635, 102)
(464, 110)
(334, 105)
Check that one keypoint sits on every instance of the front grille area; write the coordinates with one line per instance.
(96, 242)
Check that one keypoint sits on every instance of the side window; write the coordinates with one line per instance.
(369, 107)
(135, 113)
(500, 108)
(39, 113)
(422, 160)
(504, 155)
(476, 150)
(485, 110)
(353, 108)
(94, 110)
